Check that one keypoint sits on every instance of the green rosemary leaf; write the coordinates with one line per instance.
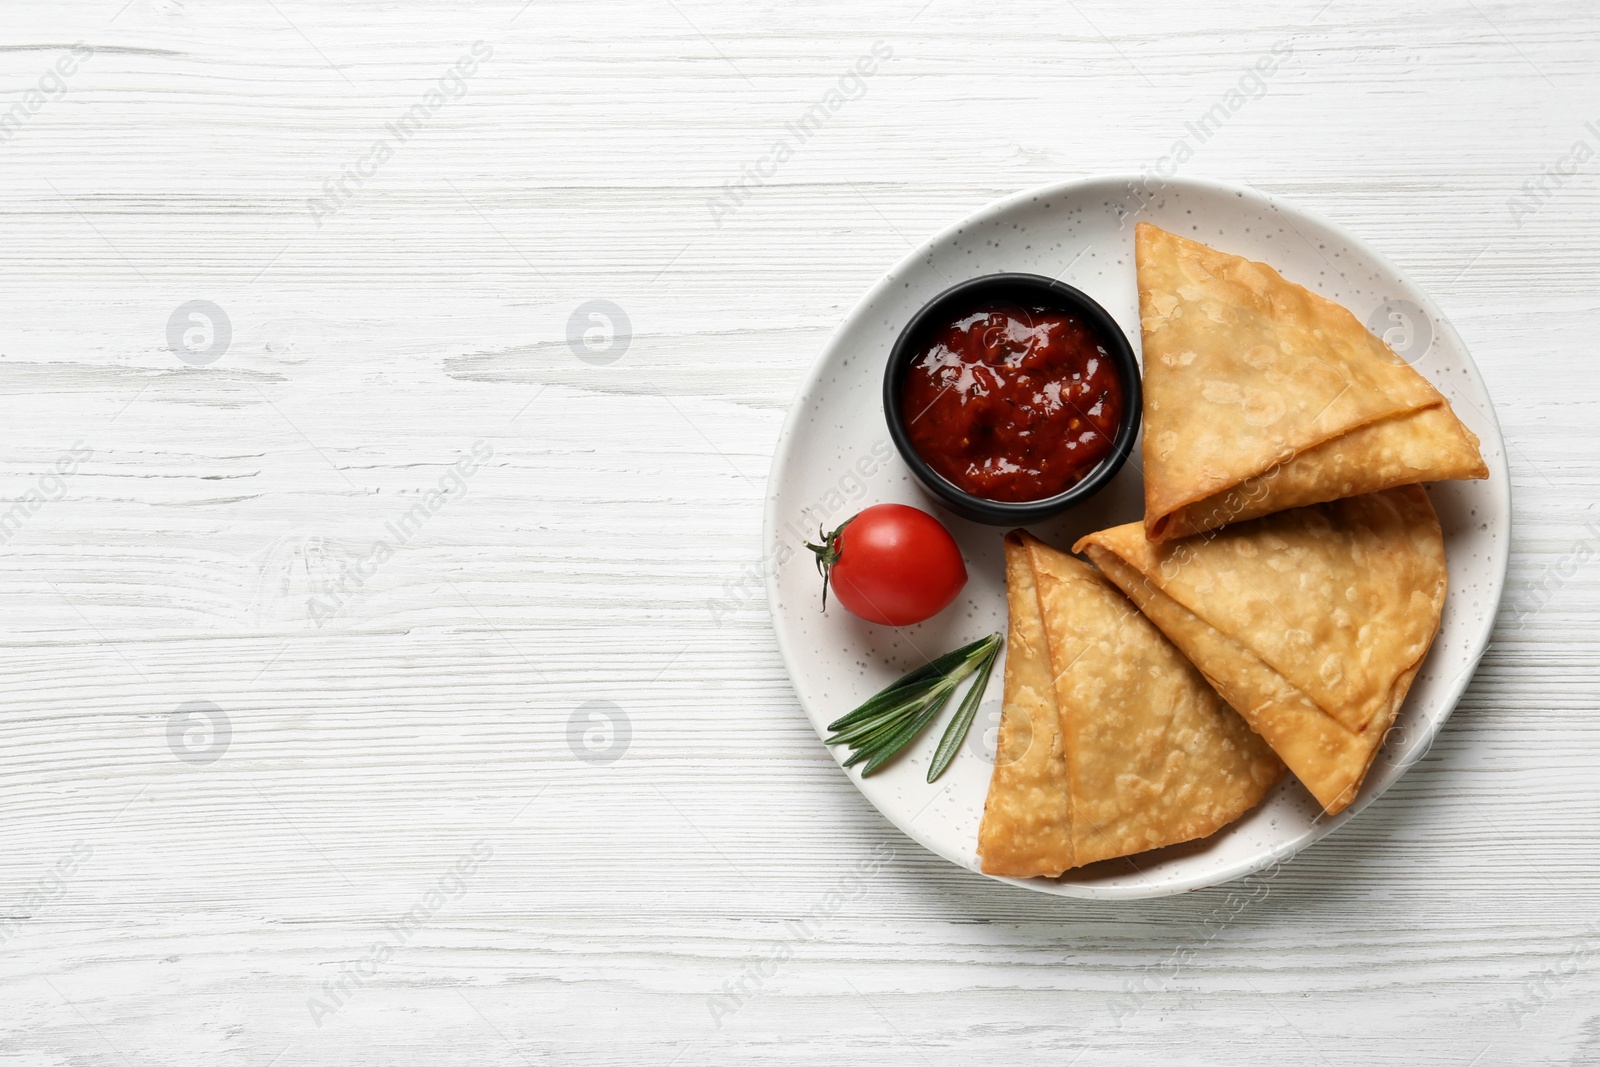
(885, 703)
(878, 729)
(890, 748)
(897, 733)
(923, 676)
(956, 732)
(886, 736)
(853, 735)
(951, 665)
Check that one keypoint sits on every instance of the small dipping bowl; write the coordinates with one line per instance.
(1023, 290)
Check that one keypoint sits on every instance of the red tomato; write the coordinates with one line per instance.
(892, 565)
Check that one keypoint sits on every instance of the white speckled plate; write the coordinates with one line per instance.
(835, 457)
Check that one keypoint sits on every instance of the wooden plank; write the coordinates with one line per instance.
(388, 731)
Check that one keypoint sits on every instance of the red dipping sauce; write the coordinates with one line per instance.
(1012, 402)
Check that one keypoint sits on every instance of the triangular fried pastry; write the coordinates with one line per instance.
(1026, 827)
(1312, 622)
(1148, 754)
(1260, 395)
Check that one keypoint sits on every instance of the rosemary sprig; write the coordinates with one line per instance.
(956, 732)
(896, 692)
(878, 729)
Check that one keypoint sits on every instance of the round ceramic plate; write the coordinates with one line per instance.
(835, 458)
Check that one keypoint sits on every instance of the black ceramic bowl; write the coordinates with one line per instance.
(1017, 289)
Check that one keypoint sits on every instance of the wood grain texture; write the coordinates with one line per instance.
(403, 770)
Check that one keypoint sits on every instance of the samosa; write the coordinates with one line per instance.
(1260, 395)
(1110, 741)
(1311, 623)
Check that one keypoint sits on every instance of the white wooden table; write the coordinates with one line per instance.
(299, 755)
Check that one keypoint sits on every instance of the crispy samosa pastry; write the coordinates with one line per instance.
(1311, 622)
(1027, 825)
(1110, 741)
(1260, 395)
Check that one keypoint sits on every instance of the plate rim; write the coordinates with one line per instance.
(1499, 483)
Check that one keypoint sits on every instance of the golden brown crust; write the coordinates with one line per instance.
(1257, 386)
(1312, 623)
(1430, 444)
(1149, 755)
(1026, 828)
(1153, 756)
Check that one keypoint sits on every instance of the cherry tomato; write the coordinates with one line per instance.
(891, 564)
